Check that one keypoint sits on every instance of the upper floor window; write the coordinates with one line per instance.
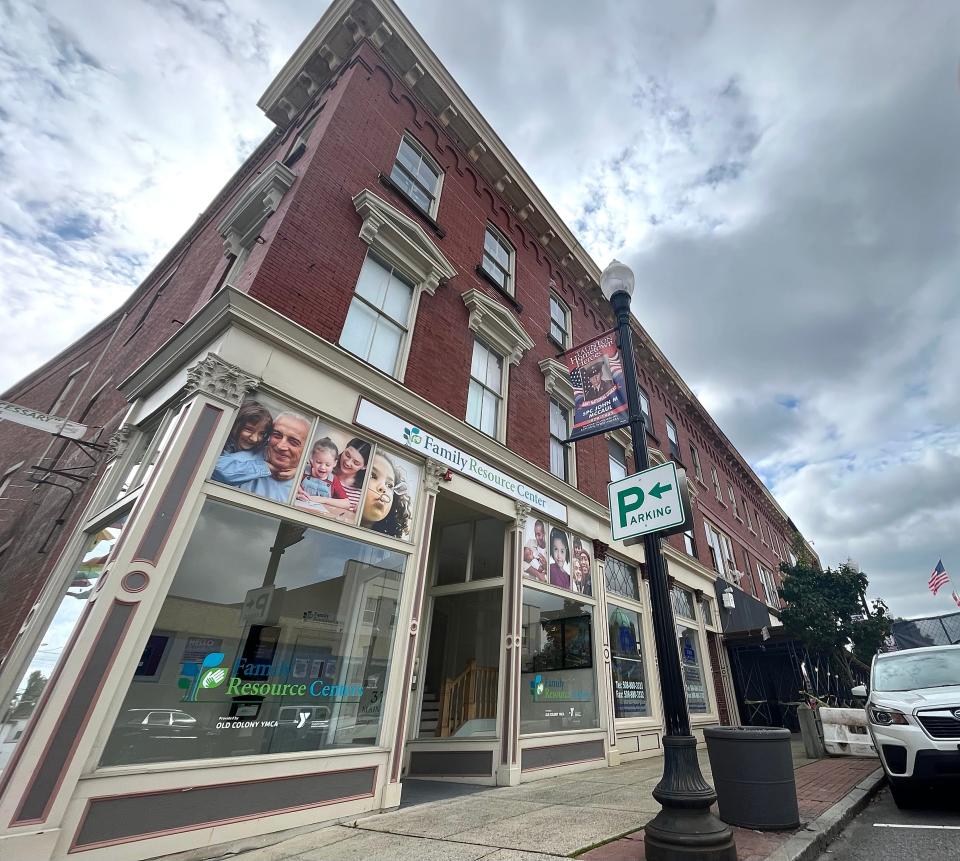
(769, 586)
(721, 551)
(498, 259)
(695, 457)
(645, 410)
(717, 492)
(689, 543)
(559, 431)
(749, 516)
(617, 455)
(763, 532)
(733, 500)
(418, 176)
(379, 315)
(485, 395)
(559, 322)
(673, 440)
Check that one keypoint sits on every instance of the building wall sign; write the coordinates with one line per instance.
(409, 435)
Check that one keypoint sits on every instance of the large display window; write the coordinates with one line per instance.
(626, 664)
(691, 659)
(82, 581)
(558, 685)
(274, 637)
(279, 453)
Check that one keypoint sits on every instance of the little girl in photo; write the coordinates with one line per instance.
(319, 487)
(242, 457)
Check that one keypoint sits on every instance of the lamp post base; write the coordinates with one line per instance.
(685, 829)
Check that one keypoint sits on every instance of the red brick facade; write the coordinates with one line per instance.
(305, 265)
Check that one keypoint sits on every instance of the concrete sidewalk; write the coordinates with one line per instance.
(597, 815)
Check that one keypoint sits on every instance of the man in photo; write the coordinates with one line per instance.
(535, 553)
(274, 474)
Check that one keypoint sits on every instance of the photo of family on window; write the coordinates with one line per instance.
(271, 453)
(551, 556)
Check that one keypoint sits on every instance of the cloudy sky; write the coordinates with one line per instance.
(782, 176)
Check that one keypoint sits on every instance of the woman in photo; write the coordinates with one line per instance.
(351, 469)
(580, 567)
(559, 553)
(386, 506)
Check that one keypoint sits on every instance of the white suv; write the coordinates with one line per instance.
(913, 711)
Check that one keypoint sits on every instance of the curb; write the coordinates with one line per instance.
(810, 841)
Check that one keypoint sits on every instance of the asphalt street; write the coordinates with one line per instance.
(882, 832)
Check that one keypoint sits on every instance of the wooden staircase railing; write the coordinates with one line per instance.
(471, 695)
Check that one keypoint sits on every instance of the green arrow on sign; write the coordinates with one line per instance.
(658, 489)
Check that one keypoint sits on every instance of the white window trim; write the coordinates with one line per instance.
(404, 244)
(501, 429)
(568, 340)
(697, 468)
(768, 591)
(556, 383)
(510, 286)
(733, 501)
(242, 224)
(674, 441)
(415, 144)
(717, 490)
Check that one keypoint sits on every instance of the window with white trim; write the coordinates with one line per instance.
(749, 516)
(418, 176)
(695, 458)
(559, 431)
(485, 395)
(498, 259)
(672, 440)
(689, 543)
(645, 410)
(717, 492)
(559, 322)
(769, 587)
(733, 501)
(379, 316)
(721, 552)
(617, 456)
(763, 532)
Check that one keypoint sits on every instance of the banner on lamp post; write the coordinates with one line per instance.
(599, 391)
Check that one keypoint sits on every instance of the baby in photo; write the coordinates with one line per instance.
(320, 488)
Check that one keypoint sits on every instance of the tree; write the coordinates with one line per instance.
(826, 609)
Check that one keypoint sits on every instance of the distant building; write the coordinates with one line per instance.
(329, 537)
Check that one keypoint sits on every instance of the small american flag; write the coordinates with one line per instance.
(938, 578)
(956, 597)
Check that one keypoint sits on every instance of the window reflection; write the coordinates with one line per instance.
(274, 637)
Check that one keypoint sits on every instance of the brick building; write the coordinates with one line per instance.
(343, 381)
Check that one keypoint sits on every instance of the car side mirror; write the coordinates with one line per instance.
(859, 691)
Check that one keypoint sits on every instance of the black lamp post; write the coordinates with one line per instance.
(684, 828)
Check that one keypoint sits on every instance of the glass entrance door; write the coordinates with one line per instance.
(461, 660)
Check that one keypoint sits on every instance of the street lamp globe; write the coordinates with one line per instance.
(616, 278)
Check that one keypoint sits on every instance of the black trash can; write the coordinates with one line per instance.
(753, 775)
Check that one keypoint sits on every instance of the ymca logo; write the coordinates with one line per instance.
(206, 675)
(412, 436)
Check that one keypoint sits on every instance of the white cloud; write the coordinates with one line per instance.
(782, 177)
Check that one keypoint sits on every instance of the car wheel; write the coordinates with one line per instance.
(904, 792)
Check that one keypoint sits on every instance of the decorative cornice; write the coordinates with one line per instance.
(523, 512)
(258, 202)
(118, 442)
(433, 474)
(497, 326)
(556, 380)
(404, 241)
(214, 377)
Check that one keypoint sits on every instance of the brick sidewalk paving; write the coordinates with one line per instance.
(820, 785)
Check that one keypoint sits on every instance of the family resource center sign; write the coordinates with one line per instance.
(410, 436)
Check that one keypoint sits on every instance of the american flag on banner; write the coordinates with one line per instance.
(956, 597)
(938, 578)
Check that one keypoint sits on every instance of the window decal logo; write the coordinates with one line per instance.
(208, 674)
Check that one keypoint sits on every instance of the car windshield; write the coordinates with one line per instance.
(921, 670)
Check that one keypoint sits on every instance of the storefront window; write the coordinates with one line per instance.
(274, 638)
(279, 453)
(626, 662)
(621, 578)
(553, 555)
(691, 666)
(83, 580)
(558, 684)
